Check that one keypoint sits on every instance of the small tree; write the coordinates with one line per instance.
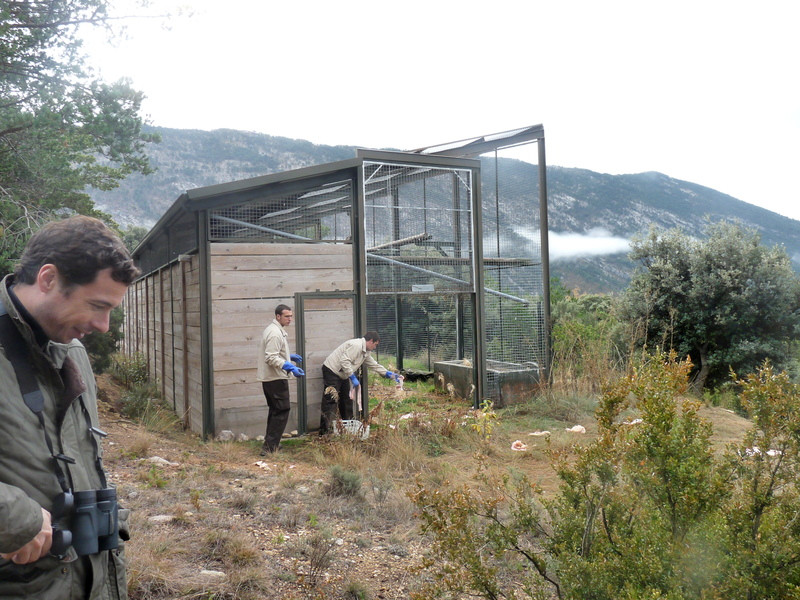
(760, 530)
(726, 302)
(61, 130)
(647, 510)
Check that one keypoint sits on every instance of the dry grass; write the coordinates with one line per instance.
(272, 528)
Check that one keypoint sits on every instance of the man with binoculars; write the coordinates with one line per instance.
(60, 526)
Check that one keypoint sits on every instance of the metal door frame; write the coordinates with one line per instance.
(300, 343)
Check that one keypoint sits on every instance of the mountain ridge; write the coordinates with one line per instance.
(580, 201)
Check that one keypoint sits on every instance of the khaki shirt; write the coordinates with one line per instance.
(347, 358)
(273, 352)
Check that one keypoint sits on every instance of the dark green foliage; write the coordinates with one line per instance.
(101, 346)
(647, 510)
(727, 302)
(130, 369)
(140, 400)
(759, 529)
(61, 131)
(589, 339)
(132, 236)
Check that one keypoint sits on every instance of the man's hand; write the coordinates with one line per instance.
(38, 547)
(290, 368)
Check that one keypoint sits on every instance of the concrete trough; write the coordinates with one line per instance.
(507, 383)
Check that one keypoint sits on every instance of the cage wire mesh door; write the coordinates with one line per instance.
(515, 329)
(420, 263)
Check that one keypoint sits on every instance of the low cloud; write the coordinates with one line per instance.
(564, 246)
(568, 245)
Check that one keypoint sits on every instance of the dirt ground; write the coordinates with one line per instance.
(214, 520)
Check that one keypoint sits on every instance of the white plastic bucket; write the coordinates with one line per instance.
(351, 427)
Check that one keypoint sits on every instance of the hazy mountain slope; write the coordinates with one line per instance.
(188, 158)
(591, 215)
(604, 208)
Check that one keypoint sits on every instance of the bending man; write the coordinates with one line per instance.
(339, 373)
(71, 274)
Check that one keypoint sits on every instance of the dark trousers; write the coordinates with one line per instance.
(336, 401)
(277, 395)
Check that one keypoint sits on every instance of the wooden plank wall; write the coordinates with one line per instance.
(162, 322)
(248, 280)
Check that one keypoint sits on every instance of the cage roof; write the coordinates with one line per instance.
(475, 146)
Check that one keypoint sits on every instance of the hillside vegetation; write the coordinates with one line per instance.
(323, 518)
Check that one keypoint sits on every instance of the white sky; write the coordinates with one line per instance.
(704, 91)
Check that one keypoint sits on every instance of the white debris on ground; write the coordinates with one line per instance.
(576, 429)
(157, 460)
(539, 433)
(519, 446)
(756, 451)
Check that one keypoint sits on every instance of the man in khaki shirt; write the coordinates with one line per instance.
(273, 373)
(339, 372)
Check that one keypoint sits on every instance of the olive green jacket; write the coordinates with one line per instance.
(27, 478)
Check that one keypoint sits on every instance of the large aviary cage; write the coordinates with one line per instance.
(516, 294)
(387, 241)
(420, 233)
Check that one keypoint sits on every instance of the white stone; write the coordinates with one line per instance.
(226, 435)
(161, 518)
(212, 574)
(161, 461)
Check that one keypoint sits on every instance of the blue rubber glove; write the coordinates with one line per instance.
(290, 368)
(354, 380)
(296, 358)
(390, 375)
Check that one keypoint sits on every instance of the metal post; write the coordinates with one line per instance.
(206, 344)
(543, 227)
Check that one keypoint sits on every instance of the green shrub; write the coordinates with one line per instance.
(644, 511)
(101, 346)
(344, 482)
(129, 369)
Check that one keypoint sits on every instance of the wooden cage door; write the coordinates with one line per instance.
(323, 320)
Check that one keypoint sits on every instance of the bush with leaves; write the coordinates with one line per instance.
(727, 301)
(589, 339)
(62, 131)
(647, 510)
(101, 345)
(760, 529)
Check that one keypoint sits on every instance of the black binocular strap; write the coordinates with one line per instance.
(98, 462)
(16, 352)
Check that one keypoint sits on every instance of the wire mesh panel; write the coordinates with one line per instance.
(417, 229)
(420, 330)
(318, 213)
(420, 265)
(515, 319)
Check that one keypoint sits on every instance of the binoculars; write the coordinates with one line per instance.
(87, 521)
